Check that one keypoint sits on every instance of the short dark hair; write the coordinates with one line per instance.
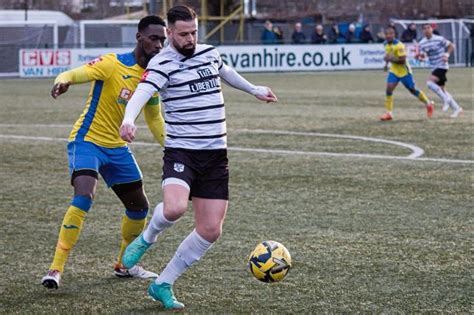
(391, 27)
(427, 24)
(181, 13)
(150, 20)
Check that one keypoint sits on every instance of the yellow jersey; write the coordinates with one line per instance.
(397, 49)
(115, 78)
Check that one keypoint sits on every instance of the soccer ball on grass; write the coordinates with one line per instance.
(269, 261)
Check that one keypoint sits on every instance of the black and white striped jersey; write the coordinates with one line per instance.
(435, 48)
(190, 89)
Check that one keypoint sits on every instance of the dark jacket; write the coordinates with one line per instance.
(298, 37)
(408, 35)
(334, 36)
(318, 38)
(351, 37)
(366, 37)
(268, 37)
(279, 38)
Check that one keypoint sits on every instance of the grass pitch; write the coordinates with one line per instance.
(366, 235)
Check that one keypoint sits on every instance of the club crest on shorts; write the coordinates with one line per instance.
(178, 167)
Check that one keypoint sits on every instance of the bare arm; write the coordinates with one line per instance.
(449, 51)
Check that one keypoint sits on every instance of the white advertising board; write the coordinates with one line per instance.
(51, 62)
(261, 58)
(248, 58)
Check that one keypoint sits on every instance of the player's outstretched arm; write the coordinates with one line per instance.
(65, 79)
(232, 78)
(134, 106)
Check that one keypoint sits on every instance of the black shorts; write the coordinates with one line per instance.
(206, 172)
(441, 75)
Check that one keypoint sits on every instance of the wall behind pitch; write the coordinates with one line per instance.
(268, 58)
(248, 58)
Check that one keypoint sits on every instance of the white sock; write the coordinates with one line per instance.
(189, 251)
(452, 102)
(157, 224)
(437, 89)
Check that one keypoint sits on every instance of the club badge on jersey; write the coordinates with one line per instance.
(124, 96)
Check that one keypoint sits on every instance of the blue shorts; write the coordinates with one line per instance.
(407, 80)
(117, 165)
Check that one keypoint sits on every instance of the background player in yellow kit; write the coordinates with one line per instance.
(95, 145)
(399, 71)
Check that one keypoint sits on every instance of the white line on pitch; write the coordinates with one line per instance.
(272, 151)
(416, 151)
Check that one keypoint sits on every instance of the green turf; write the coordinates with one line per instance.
(366, 235)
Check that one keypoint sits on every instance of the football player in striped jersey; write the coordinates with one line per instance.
(438, 50)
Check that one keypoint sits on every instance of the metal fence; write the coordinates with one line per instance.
(113, 34)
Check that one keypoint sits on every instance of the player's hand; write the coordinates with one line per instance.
(265, 94)
(420, 57)
(445, 57)
(388, 57)
(127, 132)
(59, 88)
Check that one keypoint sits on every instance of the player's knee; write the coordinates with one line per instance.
(137, 204)
(414, 91)
(431, 84)
(87, 192)
(174, 211)
(210, 232)
(132, 196)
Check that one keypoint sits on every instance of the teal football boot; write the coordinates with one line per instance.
(163, 293)
(134, 252)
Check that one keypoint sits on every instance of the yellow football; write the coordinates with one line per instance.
(270, 261)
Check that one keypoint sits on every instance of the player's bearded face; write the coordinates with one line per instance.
(183, 35)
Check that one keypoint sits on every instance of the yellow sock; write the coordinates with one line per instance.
(422, 97)
(68, 236)
(130, 230)
(389, 103)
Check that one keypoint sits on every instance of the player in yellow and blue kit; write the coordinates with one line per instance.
(399, 71)
(95, 146)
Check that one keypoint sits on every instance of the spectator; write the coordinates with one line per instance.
(350, 35)
(381, 35)
(318, 36)
(268, 37)
(409, 35)
(366, 35)
(435, 29)
(278, 35)
(298, 36)
(334, 35)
